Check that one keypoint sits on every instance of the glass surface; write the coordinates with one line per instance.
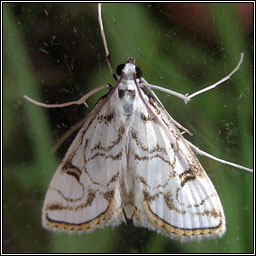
(54, 54)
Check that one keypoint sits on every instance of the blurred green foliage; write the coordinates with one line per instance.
(53, 53)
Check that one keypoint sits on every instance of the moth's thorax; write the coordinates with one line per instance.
(126, 95)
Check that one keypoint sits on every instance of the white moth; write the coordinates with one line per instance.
(130, 160)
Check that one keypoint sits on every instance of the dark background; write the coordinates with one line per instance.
(54, 54)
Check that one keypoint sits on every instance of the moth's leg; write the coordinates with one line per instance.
(182, 127)
(77, 102)
(108, 59)
(153, 93)
(67, 134)
(171, 92)
(203, 153)
(218, 82)
(188, 97)
(176, 123)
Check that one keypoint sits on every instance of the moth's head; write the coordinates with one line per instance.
(129, 69)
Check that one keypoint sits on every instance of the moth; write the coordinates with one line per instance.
(130, 160)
